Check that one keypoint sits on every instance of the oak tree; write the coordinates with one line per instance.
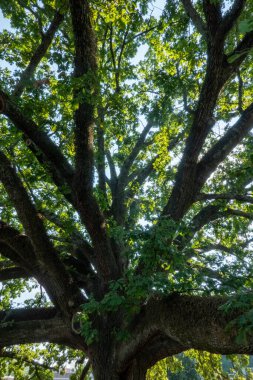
(126, 179)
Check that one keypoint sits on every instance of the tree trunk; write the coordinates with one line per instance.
(105, 366)
(134, 372)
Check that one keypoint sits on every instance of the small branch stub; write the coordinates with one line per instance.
(76, 324)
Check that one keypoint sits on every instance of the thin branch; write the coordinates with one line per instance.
(118, 208)
(146, 31)
(76, 237)
(34, 13)
(101, 153)
(134, 153)
(207, 215)
(58, 179)
(139, 176)
(240, 92)
(121, 55)
(185, 96)
(112, 168)
(23, 359)
(117, 88)
(216, 247)
(240, 213)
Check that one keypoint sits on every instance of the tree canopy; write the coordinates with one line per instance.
(126, 184)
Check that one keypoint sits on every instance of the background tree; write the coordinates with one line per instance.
(126, 179)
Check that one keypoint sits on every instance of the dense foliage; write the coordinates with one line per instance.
(126, 184)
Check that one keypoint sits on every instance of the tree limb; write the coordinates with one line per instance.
(213, 15)
(154, 349)
(24, 359)
(85, 67)
(223, 147)
(203, 121)
(206, 215)
(58, 283)
(118, 208)
(135, 151)
(38, 137)
(17, 248)
(238, 55)
(22, 326)
(192, 321)
(85, 370)
(231, 16)
(13, 273)
(101, 154)
(38, 54)
(195, 17)
(225, 196)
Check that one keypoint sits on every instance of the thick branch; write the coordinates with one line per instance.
(38, 54)
(192, 321)
(17, 248)
(53, 171)
(85, 69)
(192, 176)
(194, 16)
(224, 146)
(203, 121)
(13, 273)
(38, 137)
(213, 15)
(232, 15)
(238, 55)
(154, 349)
(85, 370)
(207, 215)
(228, 196)
(57, 282)
(24, 314)
(32, 326)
